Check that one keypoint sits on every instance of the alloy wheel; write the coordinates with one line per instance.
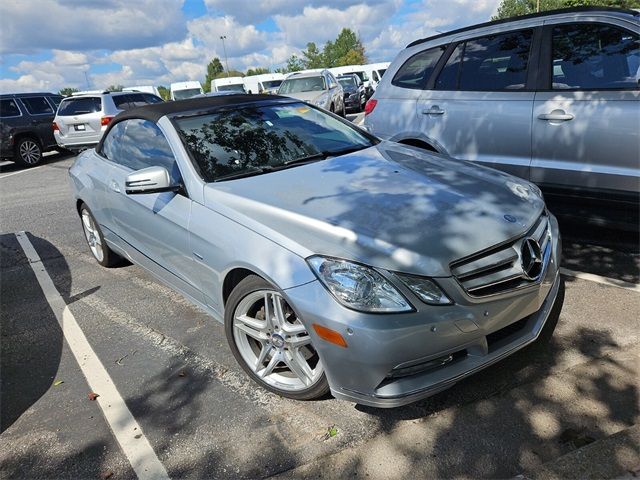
(92, 235)
(273, 342)
(30, 152)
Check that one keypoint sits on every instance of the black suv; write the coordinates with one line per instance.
(26, 126)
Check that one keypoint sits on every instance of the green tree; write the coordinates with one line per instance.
(214, 69)
(115, 88)
(67, 91)
(294, 64)
(512, 8)
(257, 71)
(313, 57)
(164, 92)
(346, 49)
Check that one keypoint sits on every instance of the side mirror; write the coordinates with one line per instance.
(149, 180)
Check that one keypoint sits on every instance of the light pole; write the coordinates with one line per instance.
(226, 60)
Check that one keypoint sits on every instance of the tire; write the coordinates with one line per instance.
(28, 152)
(277, 354)
(93, 235)
(343, 114)
(331, 109)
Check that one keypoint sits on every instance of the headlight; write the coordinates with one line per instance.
(425, 289)
(321, 100)
(358, 287)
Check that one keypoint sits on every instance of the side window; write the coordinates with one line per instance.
(37, 105)
(55, 100)
(9, 108)
(149, 98)
(111, 143)
(415, 72)
(144, 145)
(594, 57)
(136, 100)
(121, 101)
(496, 62)
(375, 77)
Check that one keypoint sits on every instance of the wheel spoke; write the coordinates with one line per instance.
(299, 341)
(251, 326)
(278, 312)
(275, 360)
(294, 328)
(264, 352)
(267, 311)
(87, 223)
(298, 366)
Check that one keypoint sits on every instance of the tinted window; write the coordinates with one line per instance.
(149, 98)
(497, 62)
(55, 100)
(415, 72)
(594, 57)
(121, 101)
(37, 105)
(9, 108)
(144, 145)
(79, 106)
(260, 139)
(111, 143)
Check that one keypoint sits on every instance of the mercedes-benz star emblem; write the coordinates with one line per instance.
(531, 258)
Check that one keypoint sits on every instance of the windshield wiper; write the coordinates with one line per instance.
(249, 173)
(314, 157)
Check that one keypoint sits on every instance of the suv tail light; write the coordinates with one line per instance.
(370, 105)
(105, 120)
(55, 127)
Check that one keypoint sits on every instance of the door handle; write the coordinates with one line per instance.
(114, 186)
(556, 116)
(435, 110)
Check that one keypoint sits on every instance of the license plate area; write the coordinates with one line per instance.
(79, 128)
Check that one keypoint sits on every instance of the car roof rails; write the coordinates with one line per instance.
(90, 92)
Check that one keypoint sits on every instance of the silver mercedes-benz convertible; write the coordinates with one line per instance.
(336, 261)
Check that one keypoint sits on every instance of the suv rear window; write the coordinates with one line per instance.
(415, 72)
(9, 108)
(37, 105)
(79, 106)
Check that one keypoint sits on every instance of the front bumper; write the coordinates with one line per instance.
(394, 360)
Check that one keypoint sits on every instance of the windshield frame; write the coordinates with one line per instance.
(174, 118)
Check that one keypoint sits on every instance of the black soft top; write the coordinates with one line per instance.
(156, 111)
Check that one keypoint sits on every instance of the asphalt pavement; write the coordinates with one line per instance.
(203, 418)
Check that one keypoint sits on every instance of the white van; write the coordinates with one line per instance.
(143, 88)
(375, 72)
(263, 83)
(183, 90)
(228, 84)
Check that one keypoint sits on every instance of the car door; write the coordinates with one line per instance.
(41, 118)
(479, 106)
(587, 119)
(154, 224)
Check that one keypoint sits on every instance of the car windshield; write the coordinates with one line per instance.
(258, 139)
(186, 93)
(235, 87)
(363, 75)
(347, 82)
(80, 106)
(297, 85)
(269, 84)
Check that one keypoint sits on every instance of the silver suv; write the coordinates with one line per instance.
(552, 98)
(318, 87)
(82, 118)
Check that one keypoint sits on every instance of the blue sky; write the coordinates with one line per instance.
(50, 44)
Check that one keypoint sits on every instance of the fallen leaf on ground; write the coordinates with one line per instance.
(58, 382)
(92, 396)
(332, 431)
(106, 474)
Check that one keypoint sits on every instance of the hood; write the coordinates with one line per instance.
(306, 96)
(350, 88)
(388, 206)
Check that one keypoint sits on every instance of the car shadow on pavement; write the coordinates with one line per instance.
(47, 159)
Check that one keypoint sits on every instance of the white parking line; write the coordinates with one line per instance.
(612, 282)
(20, 171)
(128, 433)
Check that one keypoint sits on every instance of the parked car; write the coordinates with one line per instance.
(355, 95)
(263, 83)
(360, 71)
(143, 88)
(551, 97)
(25, 126)
(382, 272)
(375, 72)
(184, 90)
(228, 84)
(82, 119)
(320, 88)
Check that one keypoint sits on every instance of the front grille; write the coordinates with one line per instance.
(494, 340)
(500, 269)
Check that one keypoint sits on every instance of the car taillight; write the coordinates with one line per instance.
(371, 104)
(105, 120)
(55, 127)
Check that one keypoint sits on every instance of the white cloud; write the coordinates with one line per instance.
(240, 39)
(76, 25)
